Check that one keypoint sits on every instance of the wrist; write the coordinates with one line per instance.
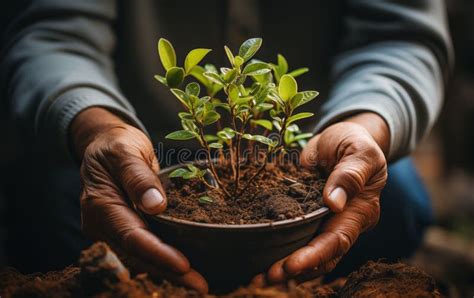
(376, 127)
(89, 124)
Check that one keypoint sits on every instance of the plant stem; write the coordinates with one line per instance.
(236, 162)
(267, 156)
(211, 163)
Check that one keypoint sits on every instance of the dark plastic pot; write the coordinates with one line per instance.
(230, 255)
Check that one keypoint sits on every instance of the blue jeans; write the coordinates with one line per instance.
(44, 220)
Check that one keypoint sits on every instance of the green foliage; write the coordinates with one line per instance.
(205, 200)
(294, 137)
(174, 76)
(193, 58)
(181, 135)
(167, 54)
(189, 173)
(249, 48)
(287, 88)
(259, 97)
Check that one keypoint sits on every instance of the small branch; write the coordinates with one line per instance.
(267, 156)
(236, 161)
(259, 171)
(211, 163)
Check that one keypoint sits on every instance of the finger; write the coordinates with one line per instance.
(276, 274)
(191, 279)
(113, 220)
(146, 246)
(141, 183)
(259, 281)
(347, 180)
(337, 237)
(317, 272)
(309, 158)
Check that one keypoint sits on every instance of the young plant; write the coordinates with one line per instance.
(255, 94)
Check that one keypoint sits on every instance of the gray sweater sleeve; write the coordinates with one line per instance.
(395, 59)
(57, 62)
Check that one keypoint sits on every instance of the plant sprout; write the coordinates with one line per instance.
(256, 95)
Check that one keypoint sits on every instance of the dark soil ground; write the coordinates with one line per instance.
(280, 192)
(101, 274)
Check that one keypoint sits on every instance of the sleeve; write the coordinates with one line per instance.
(57, 62)
(395, 59)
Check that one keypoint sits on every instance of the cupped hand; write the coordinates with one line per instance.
(352, 152)
(118, 174)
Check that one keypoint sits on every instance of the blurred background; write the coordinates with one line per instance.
(445, 161)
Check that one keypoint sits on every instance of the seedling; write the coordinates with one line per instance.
(254, 93)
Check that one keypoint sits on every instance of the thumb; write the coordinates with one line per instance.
(347, 180)
(142, 185)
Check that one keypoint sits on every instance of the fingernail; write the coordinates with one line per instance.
(338, 197)
(151, 199)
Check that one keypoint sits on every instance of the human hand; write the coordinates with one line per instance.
(352, 151)
(118, 171)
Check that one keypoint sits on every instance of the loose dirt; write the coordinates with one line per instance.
(100, 273)
(281, 192)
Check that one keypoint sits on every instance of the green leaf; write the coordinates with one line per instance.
(287, 88)
(282, 65)
(188, 125)
(238, 61)
(260, 139)
(264, 106)
(297, 72)
(211, 117)
(303, 97)
(183, 97)
(193, 89)
(196, 172)
(233, 92)
(230, 56)
(210, 68)
(249, 48)
(174, 76)
(204, 99)
(299, 116)
(230, 75)
(226, 134)
(181, 135)
(161, 79)
(211, 138)
(303, 136)
(243, 100)
(205, 200)
(167, 54)
(214, 77)
(216, 145)
(193, 58)
(185, 116)
(257, 68)
(293, 128)
(178, 173)
(223, 105)
(197, 73)
(267, 124)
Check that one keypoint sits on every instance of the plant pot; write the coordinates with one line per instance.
(230, 255)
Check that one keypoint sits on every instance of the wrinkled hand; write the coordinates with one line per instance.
(118, 162)
(352, 152)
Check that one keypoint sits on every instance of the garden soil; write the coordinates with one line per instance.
(100, 273)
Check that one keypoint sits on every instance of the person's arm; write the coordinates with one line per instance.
(388, 90)
(59, 75)
(56, 62)
(395, 59)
